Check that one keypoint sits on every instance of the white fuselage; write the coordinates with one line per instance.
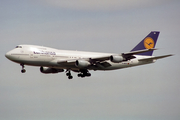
(50, 57)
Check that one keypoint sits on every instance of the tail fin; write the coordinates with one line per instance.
(147, 43)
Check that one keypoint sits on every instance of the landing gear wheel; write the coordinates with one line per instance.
(79, 75)
(23, 70)
(84, 73)
(69, 74)
(88, 74)
(70, 77)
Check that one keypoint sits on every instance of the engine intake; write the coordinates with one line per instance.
(82, 63)
(116, 58)
(48, 70)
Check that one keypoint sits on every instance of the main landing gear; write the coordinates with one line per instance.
(23, 70)
(83, 73)
(69, 74)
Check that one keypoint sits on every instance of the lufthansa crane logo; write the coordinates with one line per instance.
(148, 43)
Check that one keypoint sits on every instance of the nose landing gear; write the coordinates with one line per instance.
(23, 70)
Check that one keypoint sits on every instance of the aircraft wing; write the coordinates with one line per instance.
(104, 58)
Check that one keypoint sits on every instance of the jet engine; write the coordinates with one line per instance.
(116, 58)
(82, 63)
(47, 70)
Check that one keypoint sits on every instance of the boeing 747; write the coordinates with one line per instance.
(52, 60)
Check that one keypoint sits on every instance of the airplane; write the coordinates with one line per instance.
(52, 60)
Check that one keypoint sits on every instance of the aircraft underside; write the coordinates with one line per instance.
(48, 68)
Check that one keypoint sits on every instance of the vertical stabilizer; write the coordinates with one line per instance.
(147, 43)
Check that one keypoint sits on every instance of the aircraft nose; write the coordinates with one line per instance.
(8, 54)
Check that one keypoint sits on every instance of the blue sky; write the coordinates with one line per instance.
(148, 92)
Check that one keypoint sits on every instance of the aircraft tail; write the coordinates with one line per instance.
(148, 42)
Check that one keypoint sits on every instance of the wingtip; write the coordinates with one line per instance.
(171, 54)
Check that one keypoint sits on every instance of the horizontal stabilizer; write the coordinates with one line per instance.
(138, 51)
(155, 58)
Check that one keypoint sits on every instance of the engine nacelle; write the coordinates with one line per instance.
(47, 70)
(82, 63)
(116, 58)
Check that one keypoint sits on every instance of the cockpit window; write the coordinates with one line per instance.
(18, 46)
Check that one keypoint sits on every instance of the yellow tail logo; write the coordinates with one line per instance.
(148, 43)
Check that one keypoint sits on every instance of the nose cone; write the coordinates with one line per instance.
(11, 55)
(8, 55)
